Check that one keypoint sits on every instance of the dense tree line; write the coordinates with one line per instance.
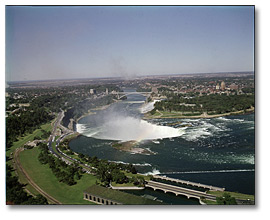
(15, 195)
(143, 89)
(226, 199)
(109, 171)
(45, 103)
(67, 174)
(214, 103)
(84, 106)
(112, 172)
(54, 98)
(106, 171)
(25, 122)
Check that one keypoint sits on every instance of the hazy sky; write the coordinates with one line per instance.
(80, 42)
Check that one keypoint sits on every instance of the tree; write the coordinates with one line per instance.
(138, 181)
(118, 176)
(81, 155)
(131, 168)
(226, 199)
(38, 200)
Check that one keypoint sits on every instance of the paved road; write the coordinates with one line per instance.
(66, 131)
(57, 152)
(52, 136)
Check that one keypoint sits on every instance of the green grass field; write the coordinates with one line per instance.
(29, 188)
(233, 194)
(122, 184)
(165, 114)
(45, 179)
(130, 175)
(208, 202)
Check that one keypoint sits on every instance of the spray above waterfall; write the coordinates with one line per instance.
(127, 128)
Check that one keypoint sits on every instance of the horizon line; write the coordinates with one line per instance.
(127, 77)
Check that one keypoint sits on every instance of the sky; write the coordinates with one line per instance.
(65, 42)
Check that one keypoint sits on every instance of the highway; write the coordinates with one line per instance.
(58, 153)
(52, 136)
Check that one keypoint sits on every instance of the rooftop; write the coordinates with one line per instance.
(118, 196)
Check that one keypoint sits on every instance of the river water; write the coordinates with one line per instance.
(217, 151)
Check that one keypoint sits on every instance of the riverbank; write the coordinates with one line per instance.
(190, 153)
(72, 122)
(92, 110)
(84, 115)
(161, 114)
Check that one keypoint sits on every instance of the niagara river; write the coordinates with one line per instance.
(215, 151)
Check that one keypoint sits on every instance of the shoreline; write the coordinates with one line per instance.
(204, 115)
(84, 115)
(129, 146)
(95, 109)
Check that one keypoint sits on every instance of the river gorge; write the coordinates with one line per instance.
(215, 151)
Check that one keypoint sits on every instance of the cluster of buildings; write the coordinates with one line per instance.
(223, 87)
(199, 88)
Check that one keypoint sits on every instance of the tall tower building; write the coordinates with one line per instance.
(222, 86)
(217, 87)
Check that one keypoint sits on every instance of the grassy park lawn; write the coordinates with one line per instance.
(45, 179)
(209, 202)
(173, 114)
(233, 194)
(130, 175)
(24, 180)
(122, 185)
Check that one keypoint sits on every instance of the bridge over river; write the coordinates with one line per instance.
(215, 188)
(122, 94)
(189, 193)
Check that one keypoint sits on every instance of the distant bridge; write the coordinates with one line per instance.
(130, 93)
(189, 193)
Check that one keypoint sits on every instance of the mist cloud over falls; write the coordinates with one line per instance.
(128, 128)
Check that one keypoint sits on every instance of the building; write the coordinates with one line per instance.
(107, 91)
(154, 89)
(217, 87)
(105, 196)
(222, 85)
(99, 195)
(92, 91)
(234, 86)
